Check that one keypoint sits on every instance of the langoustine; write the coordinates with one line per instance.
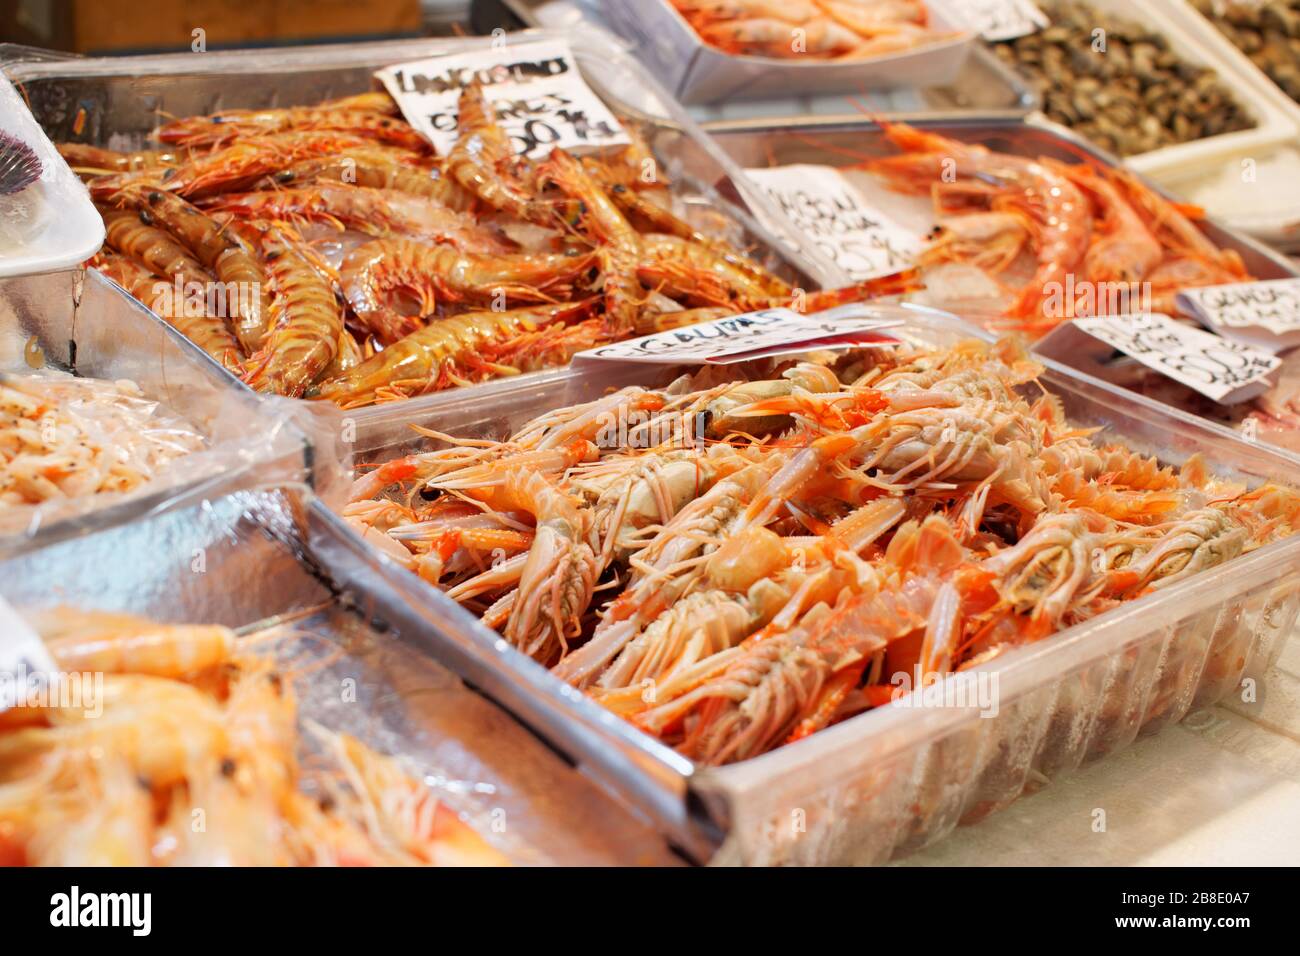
(751, 561)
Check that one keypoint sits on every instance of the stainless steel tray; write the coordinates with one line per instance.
(832, 141)
(257, 544)
(891, 780)
(117, 101)
(984, 84)
(81, 322)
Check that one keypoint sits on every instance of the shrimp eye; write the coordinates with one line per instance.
(227, 767)
(146, 217)
(154, 197)
(284, 176)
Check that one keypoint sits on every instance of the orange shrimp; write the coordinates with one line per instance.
(448, 352)
(1125, 251)
(208, 332)
(618, 246)
(1060, 212)
(376, 170)
(372, 272)
(479, 162)
(84, 158)
(376, 212)
(237, 268)
(306, 321)
(229, 124)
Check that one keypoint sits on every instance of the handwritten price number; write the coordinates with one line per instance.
(1219, 364)
(865, 254)
(541, 121)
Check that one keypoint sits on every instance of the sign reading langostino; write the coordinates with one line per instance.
(540, 98)
(23, 656)
(738, 337)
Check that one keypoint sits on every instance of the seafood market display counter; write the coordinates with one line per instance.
(545, 486)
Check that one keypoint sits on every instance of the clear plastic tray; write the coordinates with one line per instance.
(50, 225)
(833, 142)
(117, 101)
(81, 322)
(891, 780)
(700, 73)
(257, 544)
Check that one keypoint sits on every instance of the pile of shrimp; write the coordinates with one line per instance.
(325, 252)
(64, 438)
(1053, 240)
(733, 566)
(188, 753)
(839, 30)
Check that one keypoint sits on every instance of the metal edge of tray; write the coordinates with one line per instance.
(640, 770)
(693, 802)
(293, 451)
(956, 120)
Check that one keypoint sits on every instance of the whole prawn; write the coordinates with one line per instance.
(377, 212)
(372, 272)
(618, 246)
(218, 249)
(448, 352)
(306, 320)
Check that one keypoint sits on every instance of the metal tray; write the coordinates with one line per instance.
(833, 142)
(984, 82)
(117, 101)
(82, 323)
(257, 544)
(891, 780)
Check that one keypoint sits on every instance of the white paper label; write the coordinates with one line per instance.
(824, 207)
(1264, 313)
(1003, 19)
(740, 338)
(23, 657)
(540, 98)
(1224, 371)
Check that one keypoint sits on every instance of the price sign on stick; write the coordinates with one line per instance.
(538, 95)
(1003, 19)
(24, 661)
(823, 206)
(1227, 372)
(740, 338)
(1265, 314)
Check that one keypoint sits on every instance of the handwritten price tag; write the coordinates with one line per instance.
(23, 656)
(825, 207)
(1266, 314)
(740, 338)
(540, 98)
(1227, 372)
(1003, 19)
